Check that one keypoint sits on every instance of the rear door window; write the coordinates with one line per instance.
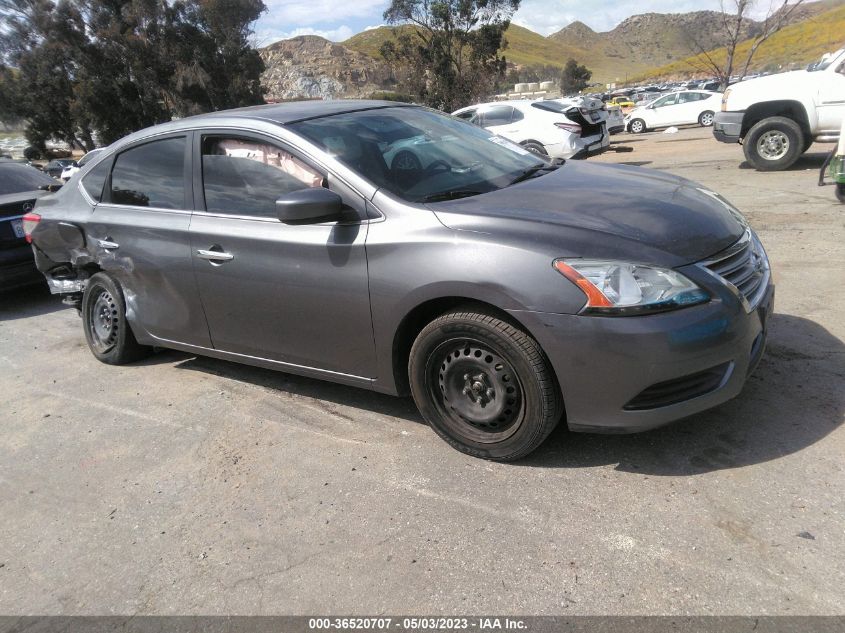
(151, 175)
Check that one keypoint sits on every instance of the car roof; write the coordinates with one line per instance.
(293, 111)
(278, 113)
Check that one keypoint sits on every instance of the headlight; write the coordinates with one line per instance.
(616, 288)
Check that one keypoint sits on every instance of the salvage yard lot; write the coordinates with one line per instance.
(190, 485)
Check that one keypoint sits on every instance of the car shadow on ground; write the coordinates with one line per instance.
(636, 163)
(363, 399)
(32, 301)
(810, 160)
(794, 399)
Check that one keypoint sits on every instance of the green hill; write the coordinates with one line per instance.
(524, 48)
(795, 46)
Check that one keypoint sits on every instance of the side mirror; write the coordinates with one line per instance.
(309, 206)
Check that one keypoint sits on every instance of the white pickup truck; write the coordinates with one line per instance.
(778, 117)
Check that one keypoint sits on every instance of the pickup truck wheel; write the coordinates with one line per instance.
(705, 119)
(637, 126)
(840, 192)
(773, 144)
(483, 385)
(104, 319)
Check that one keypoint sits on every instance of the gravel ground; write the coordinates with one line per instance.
(187, 485)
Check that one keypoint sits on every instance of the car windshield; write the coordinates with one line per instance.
(15, 177)
(418, 154)
(826, 60)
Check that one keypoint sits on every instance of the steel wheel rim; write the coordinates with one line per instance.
(406, 161)
(636, 127)
(476, 390)
(103, 322)
(706, 120)
(773, 145)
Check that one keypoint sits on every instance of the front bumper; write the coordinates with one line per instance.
(727, 126)
(604, 364)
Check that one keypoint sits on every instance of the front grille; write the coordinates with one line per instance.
(744, 267)
(678, 390)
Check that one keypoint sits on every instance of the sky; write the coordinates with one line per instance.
(338, 20)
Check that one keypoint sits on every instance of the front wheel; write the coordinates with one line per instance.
(773, 144)
(840, 192)
(705, 119)
(484, 385)
(106, 328)
(637, 126)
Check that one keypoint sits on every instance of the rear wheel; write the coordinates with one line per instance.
(773, 144)
(484, 385)
(106, 328)
(705, 119)
(536, 148)
(637, 126)
(840, 192)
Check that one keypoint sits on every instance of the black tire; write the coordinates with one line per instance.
(405, 160)
(773, 144)
(840, 192)
(637, 126)
(468, 360)
(705, 119)
(109, 336)
(536, 148)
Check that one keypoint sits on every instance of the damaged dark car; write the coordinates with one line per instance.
(506, 292)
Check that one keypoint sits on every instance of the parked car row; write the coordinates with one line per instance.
(686, 107)
(555, 128)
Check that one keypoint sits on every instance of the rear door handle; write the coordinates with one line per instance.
(108, 244)
(215, 256)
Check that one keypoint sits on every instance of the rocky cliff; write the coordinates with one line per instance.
(312, 67)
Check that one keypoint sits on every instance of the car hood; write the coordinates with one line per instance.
(605, 211)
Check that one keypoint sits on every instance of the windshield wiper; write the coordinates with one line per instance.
(531, 171)
(453, 194)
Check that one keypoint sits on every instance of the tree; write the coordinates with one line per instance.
(574, 78)
(735, 26)
(449, 57)
(86, 68)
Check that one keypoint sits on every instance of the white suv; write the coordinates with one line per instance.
(686, 107)
(557, 128)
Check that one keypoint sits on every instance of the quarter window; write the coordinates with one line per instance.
(95, 180)
(246, 177)
(151, 175)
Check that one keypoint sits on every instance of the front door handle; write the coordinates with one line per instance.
(215, 256)
(108, 244)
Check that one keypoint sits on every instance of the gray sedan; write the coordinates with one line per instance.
(504, 292)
